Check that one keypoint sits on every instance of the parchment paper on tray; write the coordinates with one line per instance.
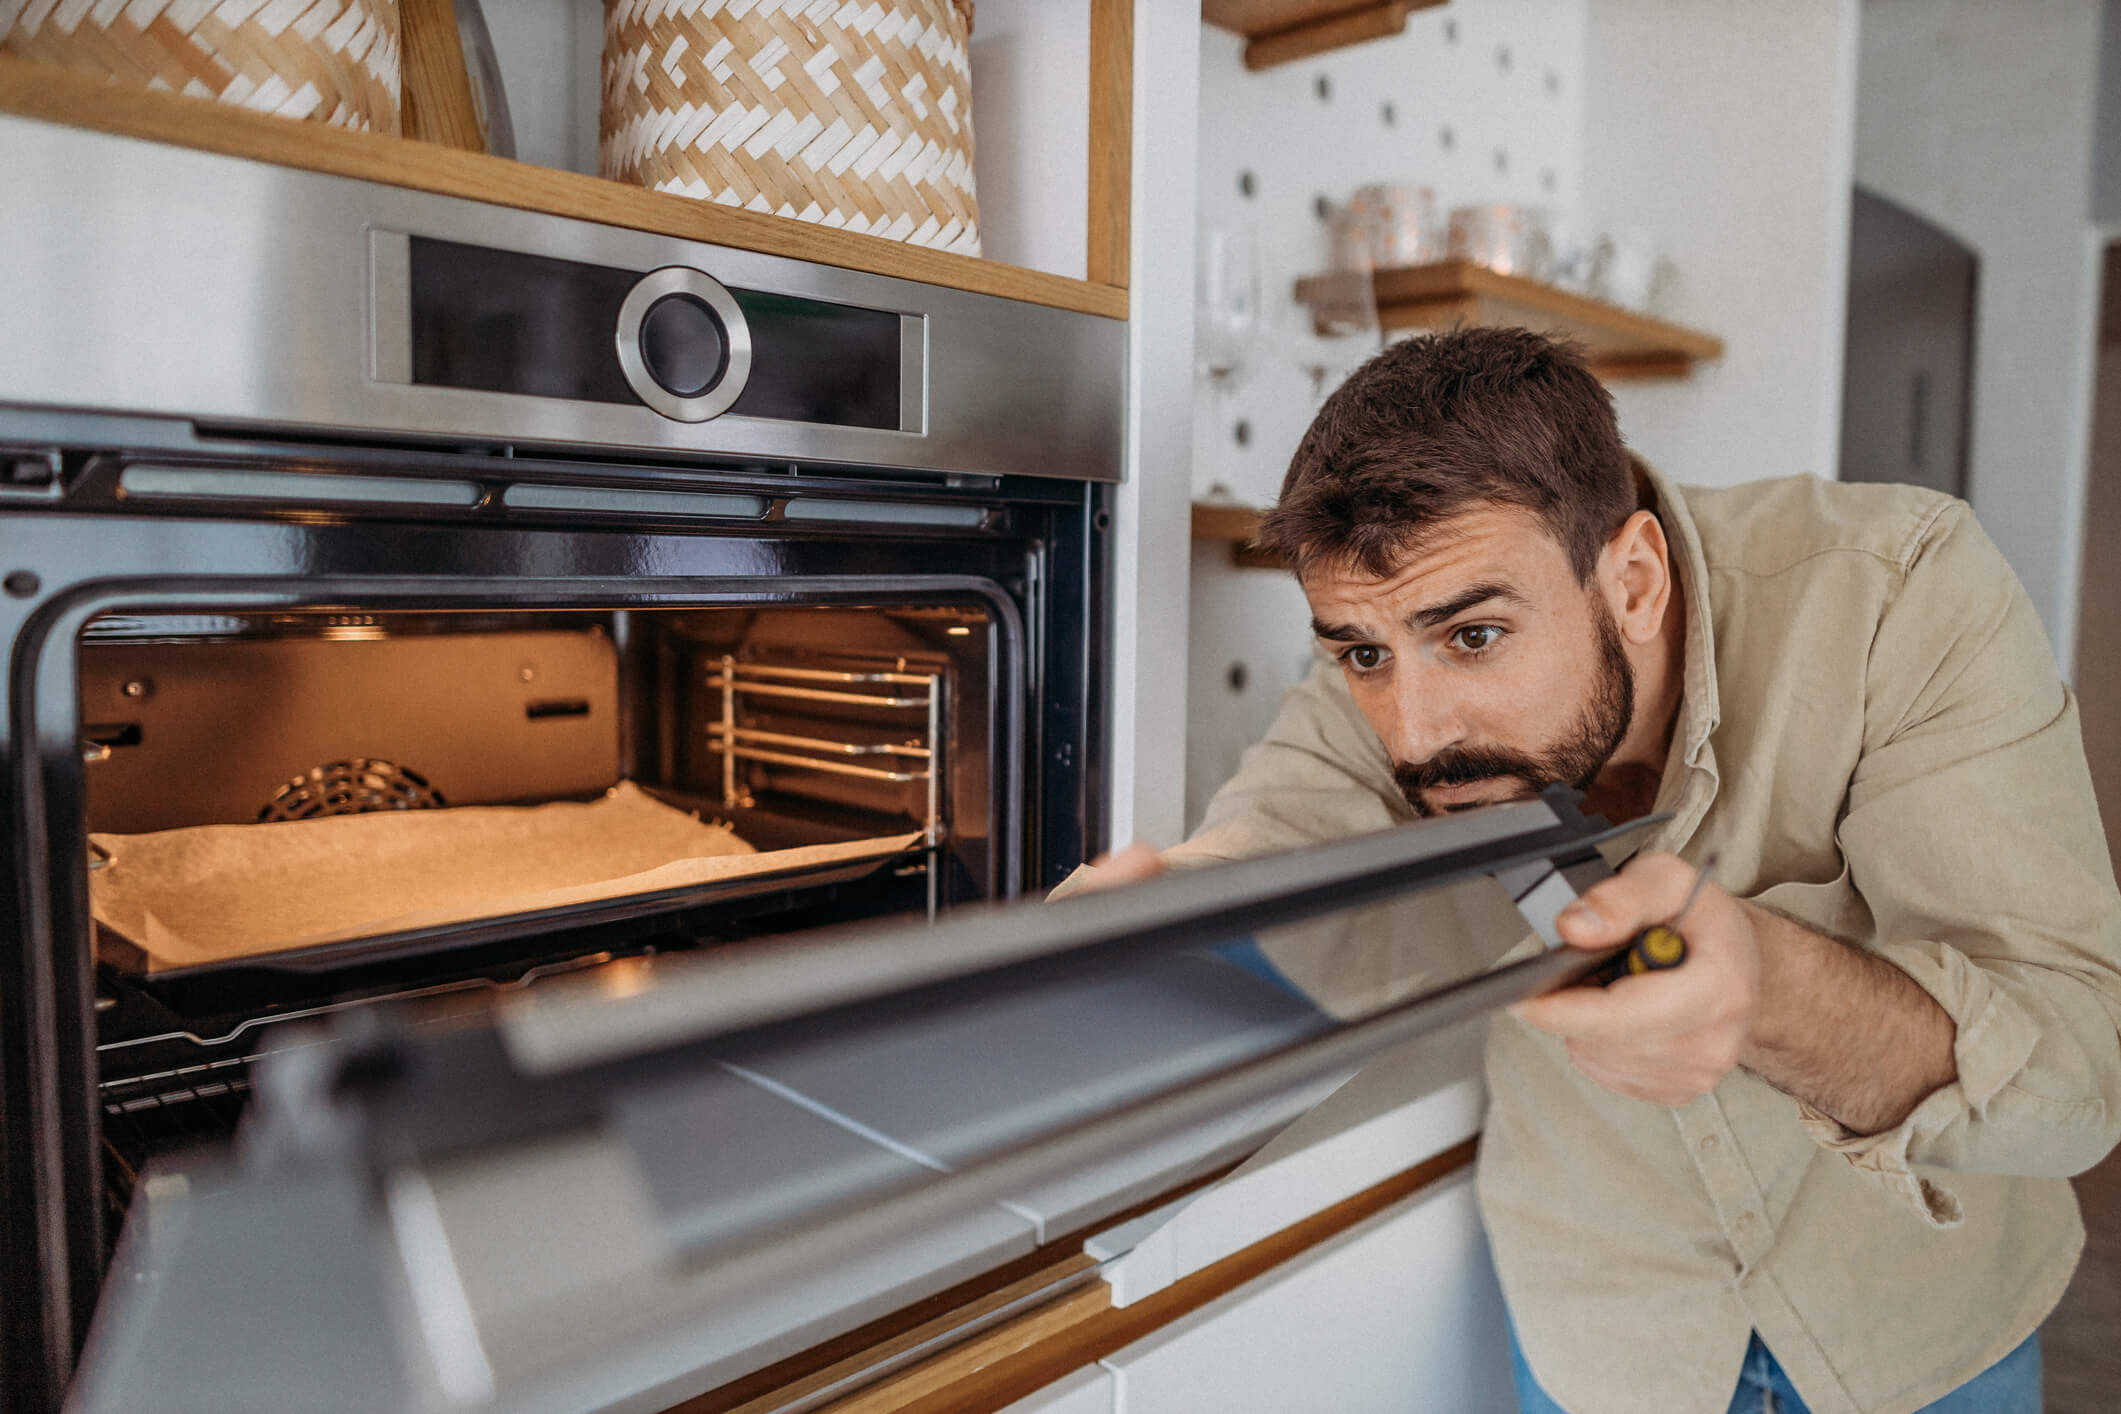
(214, 892)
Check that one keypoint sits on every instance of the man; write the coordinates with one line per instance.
(1828, 1156)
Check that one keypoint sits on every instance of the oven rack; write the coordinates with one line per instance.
(887, 763)
(145, 1116)
(891, 763)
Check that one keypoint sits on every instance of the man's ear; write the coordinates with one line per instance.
(1635, 577)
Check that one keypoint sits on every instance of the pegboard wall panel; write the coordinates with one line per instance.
(1481, 100)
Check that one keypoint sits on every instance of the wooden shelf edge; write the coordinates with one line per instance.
(1240, 526)
(1283, 32)
(1420, 296)
(49, 94)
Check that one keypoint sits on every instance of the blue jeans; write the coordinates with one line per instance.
(2010, 1386)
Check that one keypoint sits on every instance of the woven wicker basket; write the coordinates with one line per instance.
(332, 60)
(849, 113)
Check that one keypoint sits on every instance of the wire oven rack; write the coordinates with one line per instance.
(889, 763)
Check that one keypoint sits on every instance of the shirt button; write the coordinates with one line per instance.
(1746, 1223)
(1710, 1143)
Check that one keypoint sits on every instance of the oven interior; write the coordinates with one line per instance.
(296, 811)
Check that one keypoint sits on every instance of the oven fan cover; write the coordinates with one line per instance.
(355, 786)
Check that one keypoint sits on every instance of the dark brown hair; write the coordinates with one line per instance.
(1438, 425)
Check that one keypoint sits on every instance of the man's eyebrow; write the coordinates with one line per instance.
(1464, 599)
(1339, 633)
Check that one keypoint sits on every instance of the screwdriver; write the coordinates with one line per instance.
(1657, 948)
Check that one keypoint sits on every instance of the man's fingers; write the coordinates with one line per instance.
(1632, 1007)
(1586, 1013)
(1131, 865)
(1649, 890)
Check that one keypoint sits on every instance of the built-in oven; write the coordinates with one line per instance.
(406, 596)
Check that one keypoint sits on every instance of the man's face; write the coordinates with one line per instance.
(1486, 668)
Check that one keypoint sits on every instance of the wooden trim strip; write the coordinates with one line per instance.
(1111, 150)
(999, 1367)
(883, 1339)
(54, 95)
(436, 88)
(912, 1338)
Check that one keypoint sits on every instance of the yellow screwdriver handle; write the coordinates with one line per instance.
(1655, 949)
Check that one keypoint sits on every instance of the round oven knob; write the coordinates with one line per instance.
(683, 343)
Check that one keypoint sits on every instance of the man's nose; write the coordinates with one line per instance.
(1428, 721)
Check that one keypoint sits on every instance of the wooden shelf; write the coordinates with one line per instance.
(1283, 31)
(1618, 343)
(56, 95)
(1215, 520)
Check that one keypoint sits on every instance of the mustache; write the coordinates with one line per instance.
(1462, 766)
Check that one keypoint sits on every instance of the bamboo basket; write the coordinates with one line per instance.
(335, 61)
(852, 115)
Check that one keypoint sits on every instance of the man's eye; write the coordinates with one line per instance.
(1477, 638)
(1363, 657)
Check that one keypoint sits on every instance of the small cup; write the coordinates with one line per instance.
(1497, 234)
(1624, 269)
(1392, 224)
(1561, 249)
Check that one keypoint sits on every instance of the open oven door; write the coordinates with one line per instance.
(623, 1191)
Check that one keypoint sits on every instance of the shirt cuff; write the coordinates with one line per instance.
(1992, 1040)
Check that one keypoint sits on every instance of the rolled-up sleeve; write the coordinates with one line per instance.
(1318, 774)
(1973, 838)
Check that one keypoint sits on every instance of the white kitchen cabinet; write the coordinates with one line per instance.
(1087, 1391)
(1400, 1313)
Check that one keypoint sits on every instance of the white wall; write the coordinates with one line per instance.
(1153, 505)
(551, 54)
(1979, 117)
(1724, 131)
(1030, 110)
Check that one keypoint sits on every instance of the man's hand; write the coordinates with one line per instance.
(1131, 865)
(1844, 1031)
(1665, 1037)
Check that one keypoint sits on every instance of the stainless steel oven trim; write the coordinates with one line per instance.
(389, 288)
(913, 374)
(237, 293)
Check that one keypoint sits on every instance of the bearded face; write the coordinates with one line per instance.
(1485, 665)
(1574, 757)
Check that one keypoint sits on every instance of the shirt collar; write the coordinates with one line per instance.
(1699, 709)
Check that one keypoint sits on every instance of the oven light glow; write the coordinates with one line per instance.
(626, 976)
(958, 631)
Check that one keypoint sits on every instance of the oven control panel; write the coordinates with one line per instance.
(674, 339)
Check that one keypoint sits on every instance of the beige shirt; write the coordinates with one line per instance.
(1873, 738)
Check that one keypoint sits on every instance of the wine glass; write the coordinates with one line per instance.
(1226, 307)
(1328, 326)
(1227, 326)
